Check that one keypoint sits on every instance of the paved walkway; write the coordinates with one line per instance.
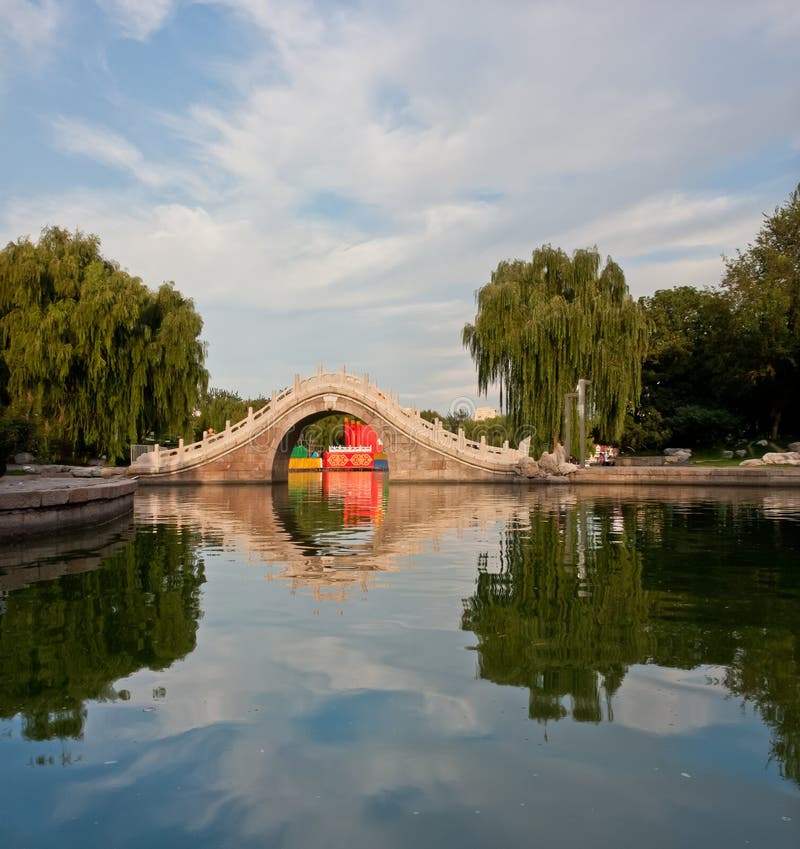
(36, 483)
(57, 477)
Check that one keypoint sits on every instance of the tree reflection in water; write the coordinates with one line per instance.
(66, 641)
(578, 594)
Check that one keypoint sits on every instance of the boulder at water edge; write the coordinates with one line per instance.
(784, 458)
(527, 467)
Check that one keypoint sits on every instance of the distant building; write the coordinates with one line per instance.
(482, 413)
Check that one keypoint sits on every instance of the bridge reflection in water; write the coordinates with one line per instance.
(571, 590)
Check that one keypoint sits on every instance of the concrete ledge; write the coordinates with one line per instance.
(35, 504)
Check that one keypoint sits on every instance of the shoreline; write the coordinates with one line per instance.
(45, 502)
(730, 476)
(33, 504)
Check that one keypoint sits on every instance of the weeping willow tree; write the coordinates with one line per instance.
(544, 324)
(88, 352)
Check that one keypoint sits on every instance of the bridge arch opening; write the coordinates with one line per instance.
(324, 430)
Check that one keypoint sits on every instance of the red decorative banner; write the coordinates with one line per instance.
(348, 460)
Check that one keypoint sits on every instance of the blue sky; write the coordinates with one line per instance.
(332, 181)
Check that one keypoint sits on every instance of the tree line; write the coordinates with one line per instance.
(685, 365)
(725, 361)
(91, 360)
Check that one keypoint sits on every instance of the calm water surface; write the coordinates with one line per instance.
(348, 663)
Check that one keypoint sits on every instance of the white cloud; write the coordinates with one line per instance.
(76, 137)
(28, 30)
(649, 277)
(660, 222)
(109, 148)
(674, 228)
(663, 701)
(138, 19)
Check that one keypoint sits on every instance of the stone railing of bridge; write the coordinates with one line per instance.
(158, 460)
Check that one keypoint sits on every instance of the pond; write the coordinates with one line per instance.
(347, 662)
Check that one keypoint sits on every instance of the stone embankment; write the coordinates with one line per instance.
(52, 501)
(773, 470)
(731, 476)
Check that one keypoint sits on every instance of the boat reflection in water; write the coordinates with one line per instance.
(334, 520)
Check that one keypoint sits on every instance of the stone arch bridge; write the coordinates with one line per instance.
(257, 449)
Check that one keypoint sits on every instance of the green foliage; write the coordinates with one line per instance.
(695, 425)
(542, 325)
(689, 386)
(321, 434)
(458, 418)
(88, 352)
(16, 434)
(763, 285)
(216, 407)
(496, 430)
(6, 443)
(726, 362)
(689, 355)
(644, 428)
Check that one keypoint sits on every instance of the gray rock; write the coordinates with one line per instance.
(671, 452)
(763, 443)
(727, 455)
(785, 458)
(548, 463)
(23, 458)
(678, 458)
(752, 462)
(741, 452)
(527, 467)
(794, 446)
